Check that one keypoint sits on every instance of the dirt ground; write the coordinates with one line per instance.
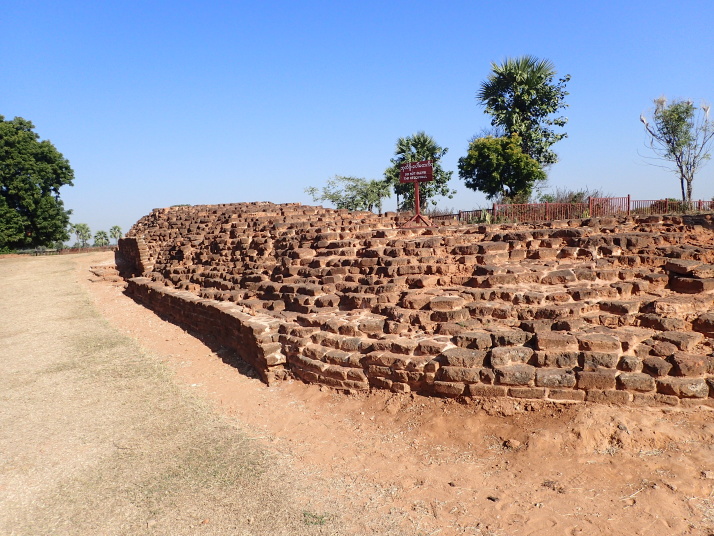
(328, 463)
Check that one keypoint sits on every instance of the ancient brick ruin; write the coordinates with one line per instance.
(604, 310)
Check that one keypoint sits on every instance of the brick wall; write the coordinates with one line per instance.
(603, 310)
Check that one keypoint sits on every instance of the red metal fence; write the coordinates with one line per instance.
(595, 207)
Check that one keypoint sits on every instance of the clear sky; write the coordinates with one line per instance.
(157, 103)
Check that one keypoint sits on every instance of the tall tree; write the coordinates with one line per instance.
(101, 238)
(522, 97)
(115, 233)
(416, 148)
(83, 234)
(31, 175)
(352, 193)
(682, 134)
(499, 168)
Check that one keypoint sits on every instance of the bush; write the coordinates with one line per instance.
(567, 195)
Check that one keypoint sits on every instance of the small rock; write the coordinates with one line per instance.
(708, 475)
(512, 444)
(493, 498)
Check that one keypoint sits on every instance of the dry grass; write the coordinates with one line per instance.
(97, 439)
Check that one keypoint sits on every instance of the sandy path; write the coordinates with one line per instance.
(96, 437)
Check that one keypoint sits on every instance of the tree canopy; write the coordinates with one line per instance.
(416, 148)
(499, 168)
(682, 134)
(82, 232)
(522, 97)
(31, 175)
(116, 233)
(352, 193)
(101, 238)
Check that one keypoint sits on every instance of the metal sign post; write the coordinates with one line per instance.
(416, 172)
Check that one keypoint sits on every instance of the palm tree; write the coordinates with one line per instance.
(115, 233)
(520, 95)
(101, 238)
(83, 234)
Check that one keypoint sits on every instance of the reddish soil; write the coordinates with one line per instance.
(495, 466)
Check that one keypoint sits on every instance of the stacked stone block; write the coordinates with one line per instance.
(604, 310)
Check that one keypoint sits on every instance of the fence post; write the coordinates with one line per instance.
(628, 204)
(459, 216)
(666, 205)
(700, 205)
(547, 214)
(590, 206)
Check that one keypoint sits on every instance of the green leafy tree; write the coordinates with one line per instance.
(522, 97)
(83, 234)
(499, 168)
(416, 148)
(101, 238)
(352, 193)
(681, 133)
(31, 175)
(116, 233)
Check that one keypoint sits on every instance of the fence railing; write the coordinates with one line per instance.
(595, 207)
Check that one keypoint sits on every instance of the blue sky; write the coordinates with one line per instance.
(157, 103)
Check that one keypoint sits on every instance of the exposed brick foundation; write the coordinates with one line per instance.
(609, 310)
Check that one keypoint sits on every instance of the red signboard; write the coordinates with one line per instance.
(417, 171)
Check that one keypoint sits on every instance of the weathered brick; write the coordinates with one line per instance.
(398, 387)
(511, 337)
(482, 390)
(455, 315)
(507, 355)
(599, 360)
(557, 359)
(630, 363)
(526, 392)
(446, 303)
(656, 366)
(430, 346)
(407, 377)
(607, 397)
(387, 359)
(660, 323)
(307, 363)
(688, 285)
(689, 364)
(599, 379)
(704, 323)
(515, 374)
(463, 357)
(556, 341)
(356, 375)
(459, 374)
(558, 277)
(555, 378)
(448, 388)
(683, 341)
(663, 349)
(598, 342)
(477, 340)
(683, 387)
(635, 381)
(380, 383)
